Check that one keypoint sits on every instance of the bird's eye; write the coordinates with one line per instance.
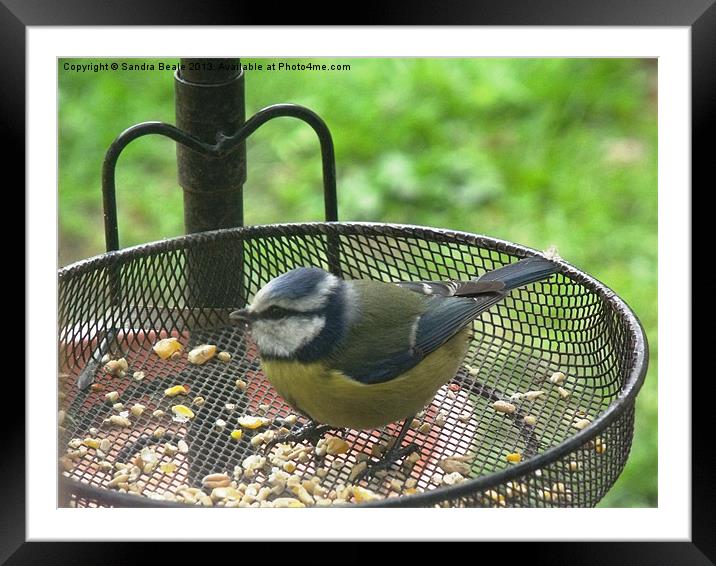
(275, 311)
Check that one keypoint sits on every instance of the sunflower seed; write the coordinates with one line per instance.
(453, 464)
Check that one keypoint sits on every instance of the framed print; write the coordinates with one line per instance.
(199, 169)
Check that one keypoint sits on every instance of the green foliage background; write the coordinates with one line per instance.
(537, 151)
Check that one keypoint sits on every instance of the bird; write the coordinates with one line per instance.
(362, 353)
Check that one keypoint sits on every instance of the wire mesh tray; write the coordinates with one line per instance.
(121, 303)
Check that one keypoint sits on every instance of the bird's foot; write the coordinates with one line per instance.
(311, 431)
(388, 459)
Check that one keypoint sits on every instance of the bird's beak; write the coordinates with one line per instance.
(242, 315)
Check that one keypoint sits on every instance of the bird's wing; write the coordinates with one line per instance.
(416, 325)
(446, 316)
(453, 304)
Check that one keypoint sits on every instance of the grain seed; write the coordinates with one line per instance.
(581, 424)
(283, 502)
(182, 412)
(137, 409)
(563, 393)
(253, 422)
(175, 390)
(212, 481)
(122, 478)
(112, 396)
(557, 378)
(453, 478)
(166, 347)
(361, 494)
(336, 445)
(532, 395)
(201, 354)
(117, 420)
(503, 407)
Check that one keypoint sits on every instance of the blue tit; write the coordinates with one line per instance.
(362, 354)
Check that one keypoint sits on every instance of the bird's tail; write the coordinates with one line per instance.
(493, 284)
(523, 272)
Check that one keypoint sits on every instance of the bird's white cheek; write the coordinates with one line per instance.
(282, 338)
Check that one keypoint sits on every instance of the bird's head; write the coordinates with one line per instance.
(298, 315)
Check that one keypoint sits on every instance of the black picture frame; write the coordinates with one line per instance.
(699, 15)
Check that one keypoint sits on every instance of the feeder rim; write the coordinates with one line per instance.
(632, 385)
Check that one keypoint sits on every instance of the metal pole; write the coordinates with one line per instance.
(209, 96)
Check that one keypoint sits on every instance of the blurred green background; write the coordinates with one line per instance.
(536, 151)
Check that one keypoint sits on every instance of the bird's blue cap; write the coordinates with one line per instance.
(296, 284)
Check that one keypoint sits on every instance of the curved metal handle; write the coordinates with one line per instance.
(224, 145)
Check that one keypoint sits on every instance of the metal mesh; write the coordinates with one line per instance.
(121, 303)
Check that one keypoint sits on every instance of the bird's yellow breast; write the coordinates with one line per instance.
(328, 396)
